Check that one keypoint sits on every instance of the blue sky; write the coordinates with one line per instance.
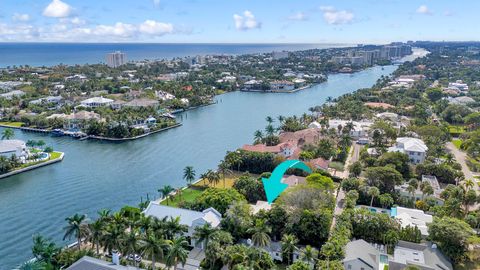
(238, 21)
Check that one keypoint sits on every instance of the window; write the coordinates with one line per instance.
(349, 266)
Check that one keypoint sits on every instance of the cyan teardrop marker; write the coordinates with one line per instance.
(273, 185)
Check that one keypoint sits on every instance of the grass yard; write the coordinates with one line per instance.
(55, 155)
(188, 195)
(229, 181)
(12, 124)
(455, 130)
(457, 143)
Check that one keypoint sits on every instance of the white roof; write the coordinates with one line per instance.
(7, 146)
(260, 205)
(314, 124)
(412, 144)
(97, 100)
(414, 217)
(187, 217)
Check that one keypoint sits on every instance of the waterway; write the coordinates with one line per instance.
(96, 175)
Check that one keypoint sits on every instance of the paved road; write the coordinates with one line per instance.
(461, 156)
(353, 156)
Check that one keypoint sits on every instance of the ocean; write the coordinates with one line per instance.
(51, 54)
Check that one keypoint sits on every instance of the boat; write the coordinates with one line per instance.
(57, 132)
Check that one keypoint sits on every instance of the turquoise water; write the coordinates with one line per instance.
(96, 175)
(393, 212)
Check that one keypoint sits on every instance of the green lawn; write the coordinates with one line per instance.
(188, 195)
(457, 143)
(54, 155)
(455, 130)
(12, 124)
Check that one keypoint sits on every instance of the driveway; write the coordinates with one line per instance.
(460, 157)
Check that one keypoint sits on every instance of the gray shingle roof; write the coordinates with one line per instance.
(360, 249)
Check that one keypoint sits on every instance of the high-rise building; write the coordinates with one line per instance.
(116, 59)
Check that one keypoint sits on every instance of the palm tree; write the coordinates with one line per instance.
(153, 247)
(328, 249)
(270, 130)
(165, 192)
(204, 176)
(173, 227)
(412, 187)
(258, 136)
(177, 252)
(391, 238)
(104, 214)
(204, 233)
(215, 178)
(281, 118)
(189, 174)
(260, 233)
(373, 192)
(269, 119)
(77, 227)
(8, 134)
(224, 168)
(309, 255)
(130, 244)
(289, 243)
(426, 188)
(469, 184)
(96, 233)
(112, 237)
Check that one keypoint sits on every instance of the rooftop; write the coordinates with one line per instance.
(7, 146)
(89, 263)
(187, 217)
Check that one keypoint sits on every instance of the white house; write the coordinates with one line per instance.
(459, 85)
(314, 124)
(96, 102)
(413, 147)
(9, 148)
(412, 217)
(359, 128)
(192, 219)
(282, 86)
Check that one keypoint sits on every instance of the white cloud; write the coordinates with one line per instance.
(21, 17)
(246, 22)
(72, 30)
(119, 29)
(423, 9)
(151, 27)
(156, 3)
(299, 16)
(333, 16)
(57, 9)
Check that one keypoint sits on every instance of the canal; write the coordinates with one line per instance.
(96, 175)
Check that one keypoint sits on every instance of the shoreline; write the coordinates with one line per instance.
(33, 167)
(130, 138)
(92, 136)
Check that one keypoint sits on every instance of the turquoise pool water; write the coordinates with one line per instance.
(393, 212)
